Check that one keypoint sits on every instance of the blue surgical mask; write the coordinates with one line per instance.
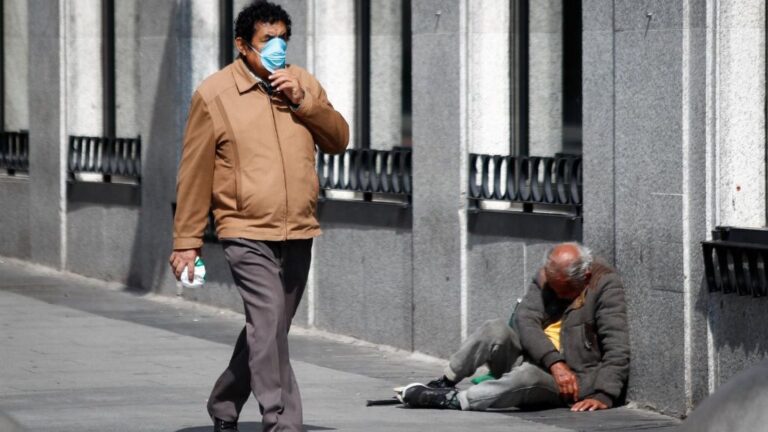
(273, 54)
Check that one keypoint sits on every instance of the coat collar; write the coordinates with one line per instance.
(244, 79)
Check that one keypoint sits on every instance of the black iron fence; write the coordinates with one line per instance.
(370, 172)
(735, 261)
(106, 156)
(14, 152)
(529, 180)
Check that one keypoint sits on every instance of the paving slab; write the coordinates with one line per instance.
(78, 354)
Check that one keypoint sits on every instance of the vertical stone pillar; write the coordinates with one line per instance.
(545, 77)
(127, 63)
(439, 174)
(489, 77)
(164, 99)
(740, 110)
(333, 55)
(659, 204)
(47, 112)
(16, 65)
(386, 74)
(203, 41)
(598, 127)
(84, 97)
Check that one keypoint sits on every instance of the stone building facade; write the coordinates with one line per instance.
(661, 103)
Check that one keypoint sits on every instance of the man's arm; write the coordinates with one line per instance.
(328, 127)
(194, 185)
(530, 327)
(613, 334)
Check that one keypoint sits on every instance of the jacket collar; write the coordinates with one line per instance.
(245, 80)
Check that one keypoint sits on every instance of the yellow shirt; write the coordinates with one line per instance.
(553, 333)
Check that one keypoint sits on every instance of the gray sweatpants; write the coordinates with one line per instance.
(271, 277)
(520, 384)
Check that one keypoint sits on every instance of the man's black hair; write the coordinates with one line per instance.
(260, 11)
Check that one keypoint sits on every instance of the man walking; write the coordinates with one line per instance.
(569, 345)
(249, 155)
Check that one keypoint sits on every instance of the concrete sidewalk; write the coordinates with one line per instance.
(76, 355)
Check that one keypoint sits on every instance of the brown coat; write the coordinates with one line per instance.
(251, 158)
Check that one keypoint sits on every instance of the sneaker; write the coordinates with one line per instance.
(442, 382)
(420, 396)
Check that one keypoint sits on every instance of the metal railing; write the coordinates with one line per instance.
(736, 261)
(14, 152)
(106, 156)
(367, 171)
(529, 180)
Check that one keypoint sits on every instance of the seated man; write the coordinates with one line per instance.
(569, 345)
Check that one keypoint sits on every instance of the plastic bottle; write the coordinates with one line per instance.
(199, 278)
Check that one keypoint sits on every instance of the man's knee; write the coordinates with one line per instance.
(496, 330)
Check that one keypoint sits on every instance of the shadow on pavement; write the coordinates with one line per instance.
(248, 427)
(616, 419)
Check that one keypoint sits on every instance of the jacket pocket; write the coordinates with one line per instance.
(235, 155)
(581, 348)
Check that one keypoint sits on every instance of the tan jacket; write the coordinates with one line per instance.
(251, 158)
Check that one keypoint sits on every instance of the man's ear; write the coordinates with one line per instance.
(241, 46)
(587, 277)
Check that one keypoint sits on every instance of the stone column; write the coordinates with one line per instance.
(545, 77)
(740, 113)
(439, 176)
(127, 64)
(659, 123)
(204, 40)
(598, 127)
(333, 55)
(489, 77)
(164, 99)
(47, 111)
(16, 51)
(84, 97)
(386, 74)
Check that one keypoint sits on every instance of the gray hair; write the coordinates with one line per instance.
(577, 270)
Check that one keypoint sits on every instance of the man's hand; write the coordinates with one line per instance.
(566, 381)
(287, 84)
(589, 405)
(183, 258)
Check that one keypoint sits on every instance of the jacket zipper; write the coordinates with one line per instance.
(282, 160)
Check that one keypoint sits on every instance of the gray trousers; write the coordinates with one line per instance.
(519, 385)
(271, 277)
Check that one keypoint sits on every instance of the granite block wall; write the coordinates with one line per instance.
(14, 235)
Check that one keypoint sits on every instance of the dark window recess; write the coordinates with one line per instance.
(538, 183)
(518, 79)
(116, 159)
(363, 73)
(572, 99)
(407, 129)
(14, 152)
(380, 175)
(226, 32)
(109, 99)
(735, 261)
